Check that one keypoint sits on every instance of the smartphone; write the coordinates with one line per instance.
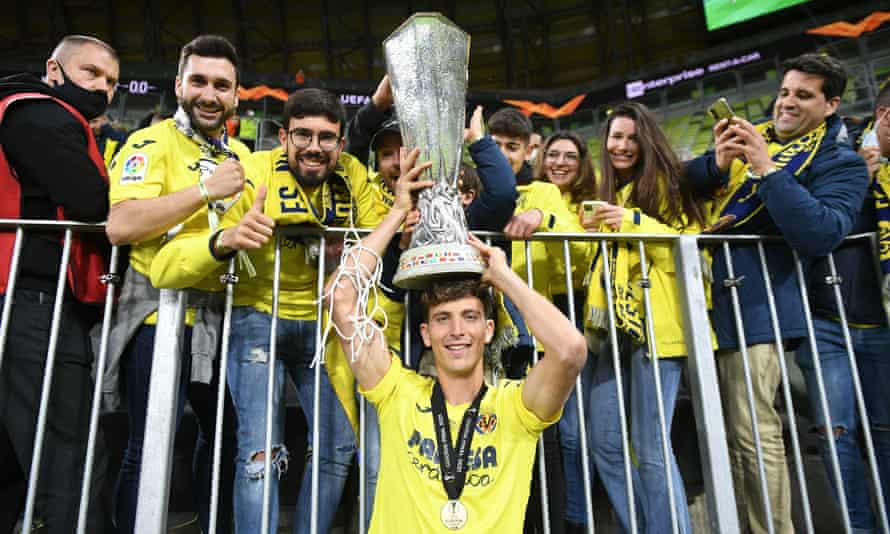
(721, 110)
(588, 207)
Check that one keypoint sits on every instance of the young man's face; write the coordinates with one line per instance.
(457, 332)
(313, 145)
(208, 92)
(515, 149)
(801, 105)
(387, 156)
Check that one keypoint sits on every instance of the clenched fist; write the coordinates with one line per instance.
(226, 180)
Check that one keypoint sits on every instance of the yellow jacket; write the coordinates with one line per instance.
(346, 194)
(548, 266)
(580, 256)
(626, 272)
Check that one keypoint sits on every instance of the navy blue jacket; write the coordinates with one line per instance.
(813, 212)
(855, 262)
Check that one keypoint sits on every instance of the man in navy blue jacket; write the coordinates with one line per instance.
(787, 177)
(860, 287)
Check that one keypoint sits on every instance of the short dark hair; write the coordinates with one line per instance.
(832, 71)
(510, 122)
(209, 46)
(447, 290)
(469, 179)
(883, 98)
(312, 102)
(70, 42)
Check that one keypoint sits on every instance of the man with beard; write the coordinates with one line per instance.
(307, 181)
(50, 168)
(176, 177)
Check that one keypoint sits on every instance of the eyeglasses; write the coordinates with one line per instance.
(302, 138)
(571, 157)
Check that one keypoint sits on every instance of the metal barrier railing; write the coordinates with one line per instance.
(701, 365)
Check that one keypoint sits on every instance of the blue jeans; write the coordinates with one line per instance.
(870, 348)
(648, 472)
(137, 363)
(248, 379)
(570, 443)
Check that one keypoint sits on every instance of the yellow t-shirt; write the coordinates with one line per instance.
(410, 494)
(347, 194)
(157, 161)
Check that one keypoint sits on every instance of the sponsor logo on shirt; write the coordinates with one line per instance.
(135, 169)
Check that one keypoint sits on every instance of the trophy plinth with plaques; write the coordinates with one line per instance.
(426, 59)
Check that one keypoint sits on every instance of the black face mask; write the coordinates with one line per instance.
(90, 104)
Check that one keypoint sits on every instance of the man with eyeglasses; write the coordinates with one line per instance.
(306, 181)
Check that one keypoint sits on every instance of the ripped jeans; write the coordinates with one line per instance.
(870, 347)
(248, 379)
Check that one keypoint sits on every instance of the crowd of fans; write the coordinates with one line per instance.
(185, 197)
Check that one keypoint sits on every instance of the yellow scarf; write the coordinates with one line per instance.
(624, 298)
(881, 191)
(739, 199)
(288, 203)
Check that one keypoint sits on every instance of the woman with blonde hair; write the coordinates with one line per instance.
(643, 183)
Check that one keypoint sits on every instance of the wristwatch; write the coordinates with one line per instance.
(751, 175)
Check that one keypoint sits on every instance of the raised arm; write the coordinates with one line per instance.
(142, 210)
(370, 366)
(368, 120)
(550, 381)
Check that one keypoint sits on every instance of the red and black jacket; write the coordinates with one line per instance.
(88, 255)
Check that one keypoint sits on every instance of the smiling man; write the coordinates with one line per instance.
(791, 177)
(175, 178)
(307, 181)
(479, 481)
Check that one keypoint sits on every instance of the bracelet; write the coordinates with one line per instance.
(215, 244)
(205, 195)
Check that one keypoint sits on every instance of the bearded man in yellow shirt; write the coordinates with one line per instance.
(307, 181)
(426, 483)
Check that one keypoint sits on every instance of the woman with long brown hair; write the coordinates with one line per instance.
(642, 181)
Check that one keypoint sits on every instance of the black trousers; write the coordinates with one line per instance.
(67, 422)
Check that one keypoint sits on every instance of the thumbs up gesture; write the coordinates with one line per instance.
(253, 230)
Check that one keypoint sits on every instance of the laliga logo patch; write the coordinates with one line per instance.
(134, 169)
(486, 423)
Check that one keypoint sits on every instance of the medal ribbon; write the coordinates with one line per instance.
(453, 464)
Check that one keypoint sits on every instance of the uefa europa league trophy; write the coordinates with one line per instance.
(426, 59)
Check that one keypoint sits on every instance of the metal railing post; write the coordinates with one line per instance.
(702, 367)
(160, 420)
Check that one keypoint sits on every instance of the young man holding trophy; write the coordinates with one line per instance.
(481, 482)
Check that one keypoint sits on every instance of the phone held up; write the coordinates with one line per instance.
(720, 110)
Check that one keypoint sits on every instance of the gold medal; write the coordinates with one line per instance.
(454, 515)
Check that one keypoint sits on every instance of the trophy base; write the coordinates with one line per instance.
(420, 266)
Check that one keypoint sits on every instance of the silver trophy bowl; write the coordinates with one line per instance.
(426, 59)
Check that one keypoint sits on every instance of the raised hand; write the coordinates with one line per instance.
(382, 97)
(476, 131)
(226, 180)
(253, 230)
(408, 184)
(496, 266)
